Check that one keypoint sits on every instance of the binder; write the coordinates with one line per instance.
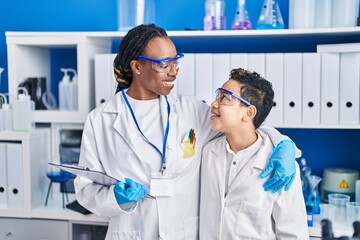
(238, 60)
(185, 81)
(15, 175)
(311, 88)
(204, 78)
(330, 73)
(274, 73)
(221, 70)
(3, 176)
(256, 63)
(105, 83)
(349, 88)
(292, 88)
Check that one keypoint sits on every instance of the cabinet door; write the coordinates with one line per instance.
(31, 229)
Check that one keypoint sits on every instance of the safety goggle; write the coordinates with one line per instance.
(164, 65)
(226, 97)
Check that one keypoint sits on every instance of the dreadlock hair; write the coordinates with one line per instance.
(255, 89)
(131, 47)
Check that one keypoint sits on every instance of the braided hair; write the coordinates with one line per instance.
(131, 47)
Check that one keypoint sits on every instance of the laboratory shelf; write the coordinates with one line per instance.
(203, 34)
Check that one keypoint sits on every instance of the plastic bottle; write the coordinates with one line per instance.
(6, 119)
(64, 90)
(22, 112)
(270, 17)
(302, 13)
(345, 13)
(241, 20)
(214, 15)
(73, 91)
(323, 14)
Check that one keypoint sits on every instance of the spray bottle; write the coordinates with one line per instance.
(6, 119)
(22, 112)
(64, 90)
(73, 91)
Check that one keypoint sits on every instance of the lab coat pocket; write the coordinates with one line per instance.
(129, 235)
(191, 228)
(251, 222)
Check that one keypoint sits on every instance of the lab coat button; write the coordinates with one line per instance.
(162, 236)
(234, 163)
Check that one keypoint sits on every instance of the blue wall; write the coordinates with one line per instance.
(321, 148)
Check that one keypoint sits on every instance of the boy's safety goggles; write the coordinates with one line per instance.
(164, 65)
(226, 97)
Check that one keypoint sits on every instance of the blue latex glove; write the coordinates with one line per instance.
(282, 163)
(130, 191)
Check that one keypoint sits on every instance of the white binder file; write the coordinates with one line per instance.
(311, 88)
(3, 176)
(330, 73)
(203, 77)
(274, 73)
(256, 62)
(15, 175)
(349, 88)
(185, 82)
(338, 48)
(105, 83)
(239, 60)
(221, 70)
(292, 87)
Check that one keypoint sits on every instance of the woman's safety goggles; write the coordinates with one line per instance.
(164, 65)
(226, 97)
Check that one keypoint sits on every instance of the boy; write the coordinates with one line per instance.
(233, 203)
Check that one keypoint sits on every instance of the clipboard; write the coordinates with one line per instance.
(93, 175)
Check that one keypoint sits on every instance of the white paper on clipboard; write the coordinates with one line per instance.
(94, 176)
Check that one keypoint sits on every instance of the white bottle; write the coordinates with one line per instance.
(73, 91)
(6, 119)
(64, 90)
(22, 112)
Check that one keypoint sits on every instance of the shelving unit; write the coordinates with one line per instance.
(29, 55)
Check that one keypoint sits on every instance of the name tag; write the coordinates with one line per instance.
(162, 185)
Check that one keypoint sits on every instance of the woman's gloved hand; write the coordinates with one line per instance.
(130, 191)
(282, 163)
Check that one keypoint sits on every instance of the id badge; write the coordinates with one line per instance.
(162, 185)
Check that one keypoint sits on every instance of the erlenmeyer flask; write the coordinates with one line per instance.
(313, 198)
(241, 20)
(270, 17)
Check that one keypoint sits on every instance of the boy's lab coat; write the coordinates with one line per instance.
(247, 211)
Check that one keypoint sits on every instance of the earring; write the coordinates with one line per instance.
(138, 72)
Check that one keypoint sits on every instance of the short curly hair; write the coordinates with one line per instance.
(255, 89)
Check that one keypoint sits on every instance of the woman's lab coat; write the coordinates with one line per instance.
(108, 146)
(247, 211)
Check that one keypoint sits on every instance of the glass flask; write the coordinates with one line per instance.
(241, 20)
(270, 16)
(313, 198)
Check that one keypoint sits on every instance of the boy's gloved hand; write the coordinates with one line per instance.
(130, 191)
(282, 162)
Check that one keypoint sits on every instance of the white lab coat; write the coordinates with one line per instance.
(247, 211)
(108, 146)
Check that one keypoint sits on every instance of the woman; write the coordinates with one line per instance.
(154, 139)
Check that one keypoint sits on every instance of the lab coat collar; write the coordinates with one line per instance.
(259, 162)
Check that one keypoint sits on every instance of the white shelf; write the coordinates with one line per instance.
(203, 34)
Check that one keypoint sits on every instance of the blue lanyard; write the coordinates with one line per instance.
(162, 154)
